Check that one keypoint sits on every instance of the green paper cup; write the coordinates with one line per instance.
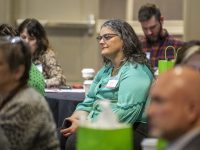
(104, 139)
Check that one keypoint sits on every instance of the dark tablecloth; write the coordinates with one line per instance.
(63, 104)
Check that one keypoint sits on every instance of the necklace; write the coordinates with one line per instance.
(115, 70)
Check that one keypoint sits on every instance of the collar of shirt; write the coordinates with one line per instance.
(182, 141)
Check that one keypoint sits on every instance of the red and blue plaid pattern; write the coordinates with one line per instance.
(157, 50)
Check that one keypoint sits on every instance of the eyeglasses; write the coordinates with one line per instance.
(106, 37)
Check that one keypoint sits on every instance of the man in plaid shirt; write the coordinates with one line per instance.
(156, 38)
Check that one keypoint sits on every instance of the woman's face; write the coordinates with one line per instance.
(110, 43)
(6, 76)
(31, 40)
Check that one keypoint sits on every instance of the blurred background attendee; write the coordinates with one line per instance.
(36, 78)
(189, 55)
(32, 32)
(156, 38)
(124, 80)
(175, 108)
(25, 117)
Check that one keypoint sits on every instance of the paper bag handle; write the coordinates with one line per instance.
(173, 50)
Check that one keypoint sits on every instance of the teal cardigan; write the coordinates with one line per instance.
(128, 94)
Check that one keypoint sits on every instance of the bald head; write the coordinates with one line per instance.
(181, 79)
(175, 104)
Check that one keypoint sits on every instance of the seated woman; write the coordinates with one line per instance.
(36, 78)
(25, 116)
(189, 55)
(125, 80)
(32, 32)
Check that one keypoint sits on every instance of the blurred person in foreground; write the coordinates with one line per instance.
(25, 117)
(36, 79)
(175, 108)
(125, 80)
(33, 33)
(5, 145)
(189, 55)
(156, 38)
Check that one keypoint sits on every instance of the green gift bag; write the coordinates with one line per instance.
(164, 65)
(104, 139)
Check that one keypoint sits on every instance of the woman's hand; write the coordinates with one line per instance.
(72, 126)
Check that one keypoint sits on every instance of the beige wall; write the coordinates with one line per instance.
(5, 11)
(75, 49)
(191, 20)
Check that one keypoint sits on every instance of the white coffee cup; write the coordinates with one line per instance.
(86, 85)
(149, 144)
(88, 73)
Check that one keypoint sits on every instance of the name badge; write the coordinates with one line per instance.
(39, 67)
(148, 55)
(112, 83)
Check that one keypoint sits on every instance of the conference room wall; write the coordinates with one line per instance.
(74, 48)
(191, 20)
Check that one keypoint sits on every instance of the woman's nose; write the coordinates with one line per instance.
(101, 41)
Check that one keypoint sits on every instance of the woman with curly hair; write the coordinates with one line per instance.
(124, 80)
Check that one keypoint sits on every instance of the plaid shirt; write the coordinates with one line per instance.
(157, 50)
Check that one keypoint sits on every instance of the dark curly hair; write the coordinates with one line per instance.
(132, 47)
(35, 29)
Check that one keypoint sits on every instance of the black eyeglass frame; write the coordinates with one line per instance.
(106, 36)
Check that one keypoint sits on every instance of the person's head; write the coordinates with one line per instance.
(151, 21)
(15, 62)
(175, 103)
(7, 30)
(32, 32)
(117, 38)
(189, 55)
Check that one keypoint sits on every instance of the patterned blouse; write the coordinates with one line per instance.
(51, 70)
